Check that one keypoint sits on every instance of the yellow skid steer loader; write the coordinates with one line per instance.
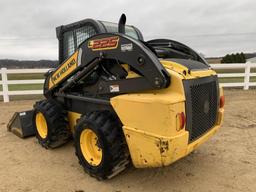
(123, 99)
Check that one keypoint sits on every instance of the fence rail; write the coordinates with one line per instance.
(6, 93)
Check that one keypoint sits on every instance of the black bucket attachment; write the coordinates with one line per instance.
(21, 124)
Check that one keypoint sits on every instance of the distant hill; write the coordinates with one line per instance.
(213, 60)
(17, 64)
(249, 55)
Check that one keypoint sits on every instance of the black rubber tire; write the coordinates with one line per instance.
(56, 118)
(108, 129)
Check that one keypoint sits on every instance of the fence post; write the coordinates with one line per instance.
(247, 75)
(5, 84)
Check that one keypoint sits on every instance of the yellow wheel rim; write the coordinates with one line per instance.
(90, 148)
(41, 125)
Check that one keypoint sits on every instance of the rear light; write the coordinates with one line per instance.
(222, 101)
(181, 120)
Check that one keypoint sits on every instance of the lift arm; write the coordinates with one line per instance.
(114, 46)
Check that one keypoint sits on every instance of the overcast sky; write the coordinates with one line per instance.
(213, 28)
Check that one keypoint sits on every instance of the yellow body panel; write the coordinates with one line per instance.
(68, 67)
(181, 69)
(72, 119)
(150, 120)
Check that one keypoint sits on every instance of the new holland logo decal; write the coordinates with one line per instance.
(104, 43)
(63, 70)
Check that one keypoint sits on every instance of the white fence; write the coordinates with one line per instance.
(246, 74)
(6, 93)
(5, 82)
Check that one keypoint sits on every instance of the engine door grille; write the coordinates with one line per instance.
(202, 101)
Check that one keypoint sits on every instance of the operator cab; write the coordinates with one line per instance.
(72, 35)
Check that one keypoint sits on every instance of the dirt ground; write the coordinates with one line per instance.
(227, 162)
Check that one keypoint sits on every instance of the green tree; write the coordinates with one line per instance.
(243, 57)
(234, 58)
(226, 59)
(237, 58)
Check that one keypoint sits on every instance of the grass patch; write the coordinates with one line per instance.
(252, 79)
(235, 79)
(24, 97)
(25, 76)
(234, 70)
(231, 80)
(23, 87)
